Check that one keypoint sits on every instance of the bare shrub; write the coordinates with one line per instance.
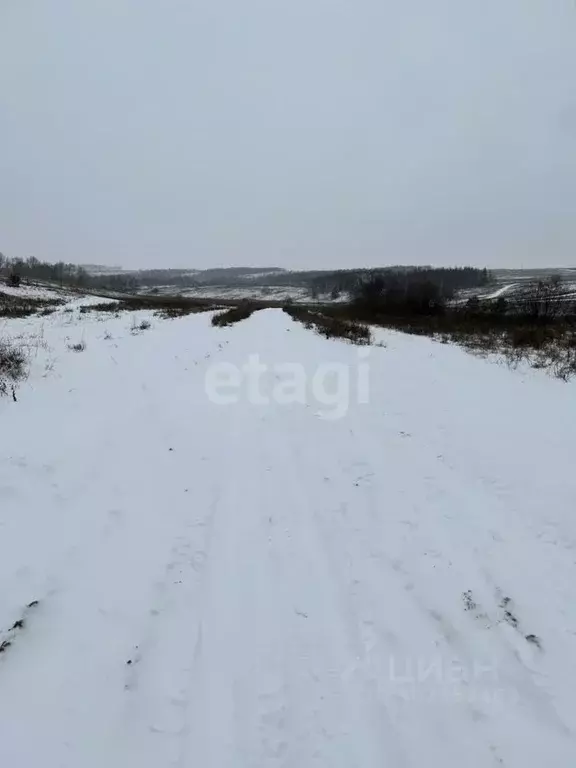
(138, 327)
(172, 312)
(233, 315)
(331, 326)
(78, 347)
(12, 366)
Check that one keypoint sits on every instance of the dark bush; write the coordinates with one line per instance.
(12, 366)
(331, 327)
(234, 315)
(143, 325)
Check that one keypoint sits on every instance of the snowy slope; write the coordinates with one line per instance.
(500, 291)
(256, 584)
(267, 293)
(33, 291)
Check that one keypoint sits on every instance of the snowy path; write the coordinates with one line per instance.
(254, 585)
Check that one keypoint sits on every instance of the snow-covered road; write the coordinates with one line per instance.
(253, 584)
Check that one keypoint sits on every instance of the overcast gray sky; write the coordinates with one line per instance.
(295, 133)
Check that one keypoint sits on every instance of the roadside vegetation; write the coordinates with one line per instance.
(164, 306)
(235, 314)
(536, 325)
(330, 326)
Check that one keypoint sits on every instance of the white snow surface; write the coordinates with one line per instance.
(255, 585)
(501, 291)
(33, 291)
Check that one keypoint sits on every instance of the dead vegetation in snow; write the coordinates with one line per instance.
(330, 326)
(13, 366)
(14, 306)
(235, 314)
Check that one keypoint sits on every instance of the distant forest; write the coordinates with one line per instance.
(436, 283)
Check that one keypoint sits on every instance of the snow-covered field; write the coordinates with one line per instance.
(501, 291)
(509, 290)
(256, 583)
(33, 291)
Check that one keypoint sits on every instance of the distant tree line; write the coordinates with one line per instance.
(64, 274)
(32, 268)
(421, 288)
(423, 291)
(353, 282)
(430, 293)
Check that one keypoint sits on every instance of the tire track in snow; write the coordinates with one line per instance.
(359, 633)
(160, 688)
(516, 680)
(110, 564)
(297, 707)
